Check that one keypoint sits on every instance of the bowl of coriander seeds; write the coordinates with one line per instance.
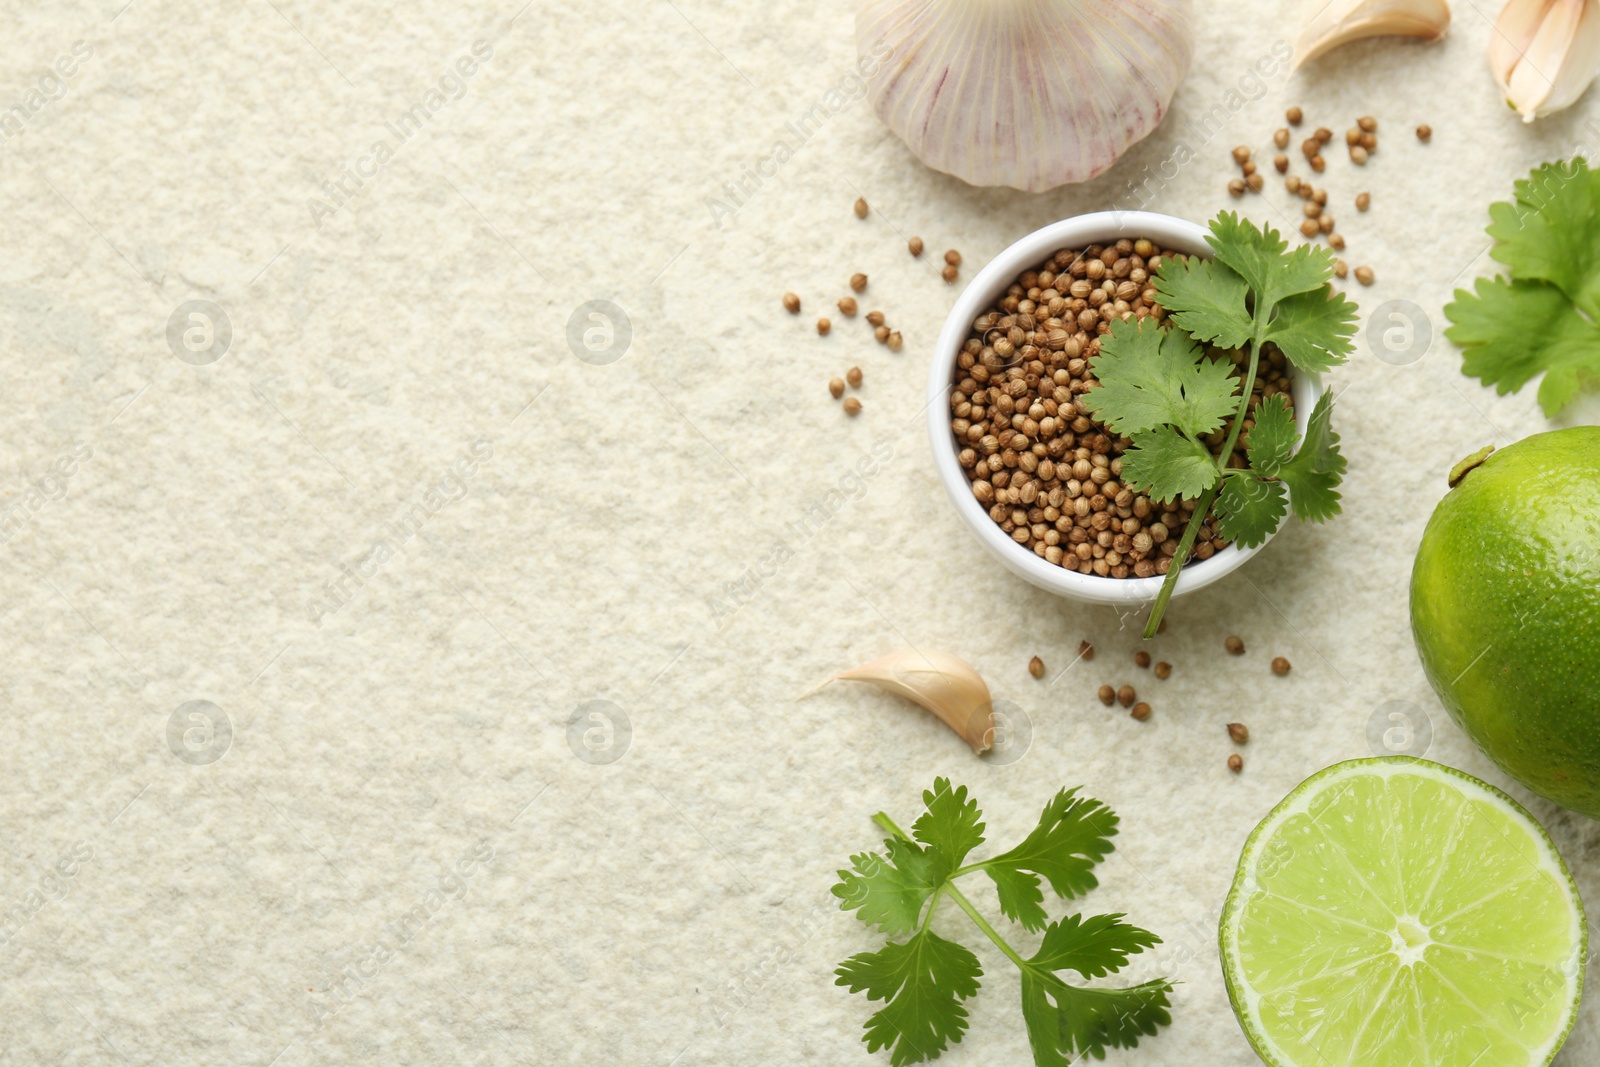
(1030, 471)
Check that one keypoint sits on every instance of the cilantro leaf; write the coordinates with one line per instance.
(1543, 317)
(1165, 465)
(1150, 376)
(950, 826)
(1509, 331)
(889, 893)
(1314, 329)
(1550, 231)
(1073, 834)
(1207, 300)
(1259, 257)
(1067, 1022)
(924, 982)
(1094, 947)
(1317, 468)
(1272, 438)
(1249, 508)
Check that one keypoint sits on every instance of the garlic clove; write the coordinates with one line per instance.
(1555, 67)
(945, 684)
(1514, 31)
(1337, 22)
(1031, 94)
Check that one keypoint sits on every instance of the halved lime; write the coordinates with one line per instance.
(1396, 911)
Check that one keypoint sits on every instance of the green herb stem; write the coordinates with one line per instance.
(1202, 506)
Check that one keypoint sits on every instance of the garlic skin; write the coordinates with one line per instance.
(1030, 94)
(1544, 53)
(945, 684)
(1331, 23)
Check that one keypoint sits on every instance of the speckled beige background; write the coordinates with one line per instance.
(398, 534)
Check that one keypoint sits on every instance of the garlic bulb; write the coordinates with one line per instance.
(1544, 53)
(946, 685)
(1026, 93)
(1332, 23)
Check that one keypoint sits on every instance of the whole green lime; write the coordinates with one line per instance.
(1505, 609)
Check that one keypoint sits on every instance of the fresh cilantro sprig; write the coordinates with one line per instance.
(924, 980)
(1544, 317)
(1160, 387)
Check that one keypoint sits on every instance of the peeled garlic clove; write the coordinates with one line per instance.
(1549, 69)
(946, 685)
(1338, 22)
(1027, 93)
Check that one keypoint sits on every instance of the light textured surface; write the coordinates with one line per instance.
(669, 906)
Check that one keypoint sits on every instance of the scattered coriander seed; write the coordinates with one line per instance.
(847, 306)
(881, 334)
(791, 303)
(1363, 201)
(1108, 695)
(1280, 666)
(894, 340)
(1324, 135)
(1141, 711)
(1424, 132)
(1369, 141)
(861, 208)
(1294, 115)
(823, 326)
(1352, 136)
(1234, 644)
(1036, 667)
(1336, 241)
(1163, 669)
(1320, 196)
(1141, 658)
(1280, 162)
(1364, 275)
(1309, 228)
(853, 376)
(852, 406)
(1248, 169)
(950, 274)
(1292, 183)
(1241, 155)
(1358, 155)
(914, 246)
(953, 258)
(836, 387)
(1368, 124)
(1341, 268)
(1239, 732)
(1280, 137)
(1235, 763)
(1319, 164)
(875, 318)
(1310, 147)
(1085, 650)
(1236, 187)
(1325, 223)
(858, 281)
(1126, 696)
(1311, 208)
(1256, 182)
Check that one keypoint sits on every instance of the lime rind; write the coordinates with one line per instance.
(1245, 999)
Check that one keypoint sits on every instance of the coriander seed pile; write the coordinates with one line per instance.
(1048, 473)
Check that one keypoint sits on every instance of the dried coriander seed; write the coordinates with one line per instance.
(823, 326)
(847, 306)
(1141, 658)
(852, 406)
(1236, 187)
(1163, 669)
(853, 376)
(1336, 242)
(1294, 116)
(836, 387)
(1280, 137)
(894, 340)
(881, 334)
(914, 246)
(1036, 667)
(1280, 163)
(1323, 134)
(950, 273)
(1280, 666)
(1341, 269)
(1241, 154)
(861, 208)
(1234, 644)
(875, 318)
(858, 281)
(1368, 124)
(1085, 650)
(1108, 695)
(1126, 696)
(1309, 228)
(1256, 182)
(1319, 164)
(1364, 275)
(1424, 132)
(953, 258)
(1292, 183)
(791, 303)
(1239, 732)
(1358, 156)
(1235, 763)
(1141, 711)
(1363, 201)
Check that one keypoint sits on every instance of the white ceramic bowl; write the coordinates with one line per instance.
(1101, 227)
